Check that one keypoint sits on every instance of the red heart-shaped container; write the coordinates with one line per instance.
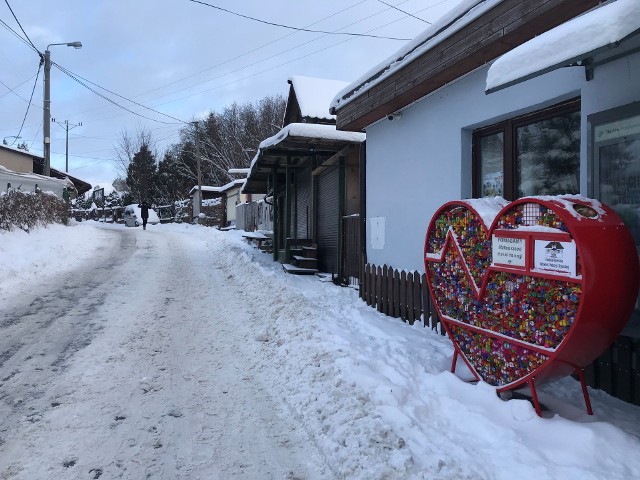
(530, 290)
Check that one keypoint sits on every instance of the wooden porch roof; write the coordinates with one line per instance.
(295, 144)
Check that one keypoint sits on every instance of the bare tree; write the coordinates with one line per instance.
(231, 138)
(128, 145)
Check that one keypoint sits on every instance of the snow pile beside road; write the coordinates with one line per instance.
(377, 397)
(26, 257)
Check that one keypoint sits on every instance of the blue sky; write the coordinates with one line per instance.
(180, 58)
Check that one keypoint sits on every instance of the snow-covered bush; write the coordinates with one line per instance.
(26, 210)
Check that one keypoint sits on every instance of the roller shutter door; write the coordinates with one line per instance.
(303, 203)
(327, 220)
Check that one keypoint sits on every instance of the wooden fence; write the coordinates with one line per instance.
(405, 295)
(617, 370)
(399, 294)
(351, 262)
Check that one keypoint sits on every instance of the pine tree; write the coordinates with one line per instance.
(142, 175)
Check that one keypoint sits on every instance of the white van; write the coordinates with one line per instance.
(132, 217)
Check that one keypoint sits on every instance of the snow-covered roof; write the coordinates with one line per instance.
(602, 28)
(314, 95)
(223, 188)
(31, 176)
(458, 17)
(15, 149)
(241, 171)
(310, 131)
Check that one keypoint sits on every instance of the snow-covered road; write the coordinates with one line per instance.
(140, 365)
(181, 352)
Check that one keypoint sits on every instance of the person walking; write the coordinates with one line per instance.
(144, 213)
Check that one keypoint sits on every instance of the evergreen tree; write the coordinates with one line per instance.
(177, 174)
(142, 175)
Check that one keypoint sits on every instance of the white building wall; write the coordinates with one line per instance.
(232, 201)
(422, 160)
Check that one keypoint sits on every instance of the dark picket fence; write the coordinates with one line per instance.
(351, 244)
(405, 295)
(399, 294)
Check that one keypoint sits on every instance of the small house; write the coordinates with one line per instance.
(310, 174)
(510, 98)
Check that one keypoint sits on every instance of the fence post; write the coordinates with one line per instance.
(384, 291)
(379, 289)
(417, 296)
(367, 275)
(390, 294)
(410, 317)
(403, 295)
(426, 303)
(396, 293)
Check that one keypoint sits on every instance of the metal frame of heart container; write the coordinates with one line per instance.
(602, 281)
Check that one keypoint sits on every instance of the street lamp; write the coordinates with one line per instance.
(46, 121)
(4, 140)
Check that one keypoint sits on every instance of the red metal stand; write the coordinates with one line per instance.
(534, 396)
(455, 359)
(585, 392)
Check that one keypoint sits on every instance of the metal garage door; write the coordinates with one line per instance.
(327, 220)
(303, 203)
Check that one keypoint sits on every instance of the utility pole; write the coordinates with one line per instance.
(46, 110)
(46, 106)
(67, 126)
(198, 166)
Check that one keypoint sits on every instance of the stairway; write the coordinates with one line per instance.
(302, 257)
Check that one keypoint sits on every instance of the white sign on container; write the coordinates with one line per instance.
(555, 256)
(509, 251)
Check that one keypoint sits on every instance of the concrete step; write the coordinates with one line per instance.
(305, 262)
(297, 270)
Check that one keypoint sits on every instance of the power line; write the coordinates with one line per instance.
(406, 13)
(118, 95)
(276, 66)
(252, 50)
(267, 58)
(296, 28)
(259, 61)
(12, 90)
(18, 22)
(77, 79)
(245, 54)
(18, 36)
(29, 104)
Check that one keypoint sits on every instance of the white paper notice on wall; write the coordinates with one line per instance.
(555, 256)
(509, 251)
(377, 232)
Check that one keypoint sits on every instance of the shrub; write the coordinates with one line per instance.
(26, 210)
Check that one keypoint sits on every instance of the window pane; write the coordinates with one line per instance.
(618, 158)
(491, 164)
(620, 182)
(548, 156)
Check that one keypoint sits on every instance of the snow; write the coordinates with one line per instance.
(487, 208)
(463, 13)
(27, 181)
(312, 131)
(314, 95)
(106, 185)
(567, 43)
(302, 377)
(223, 188)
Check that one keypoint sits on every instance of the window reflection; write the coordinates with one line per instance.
(548, 156)
(492, 165)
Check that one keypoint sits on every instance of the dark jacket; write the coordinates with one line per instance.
(144, 209)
